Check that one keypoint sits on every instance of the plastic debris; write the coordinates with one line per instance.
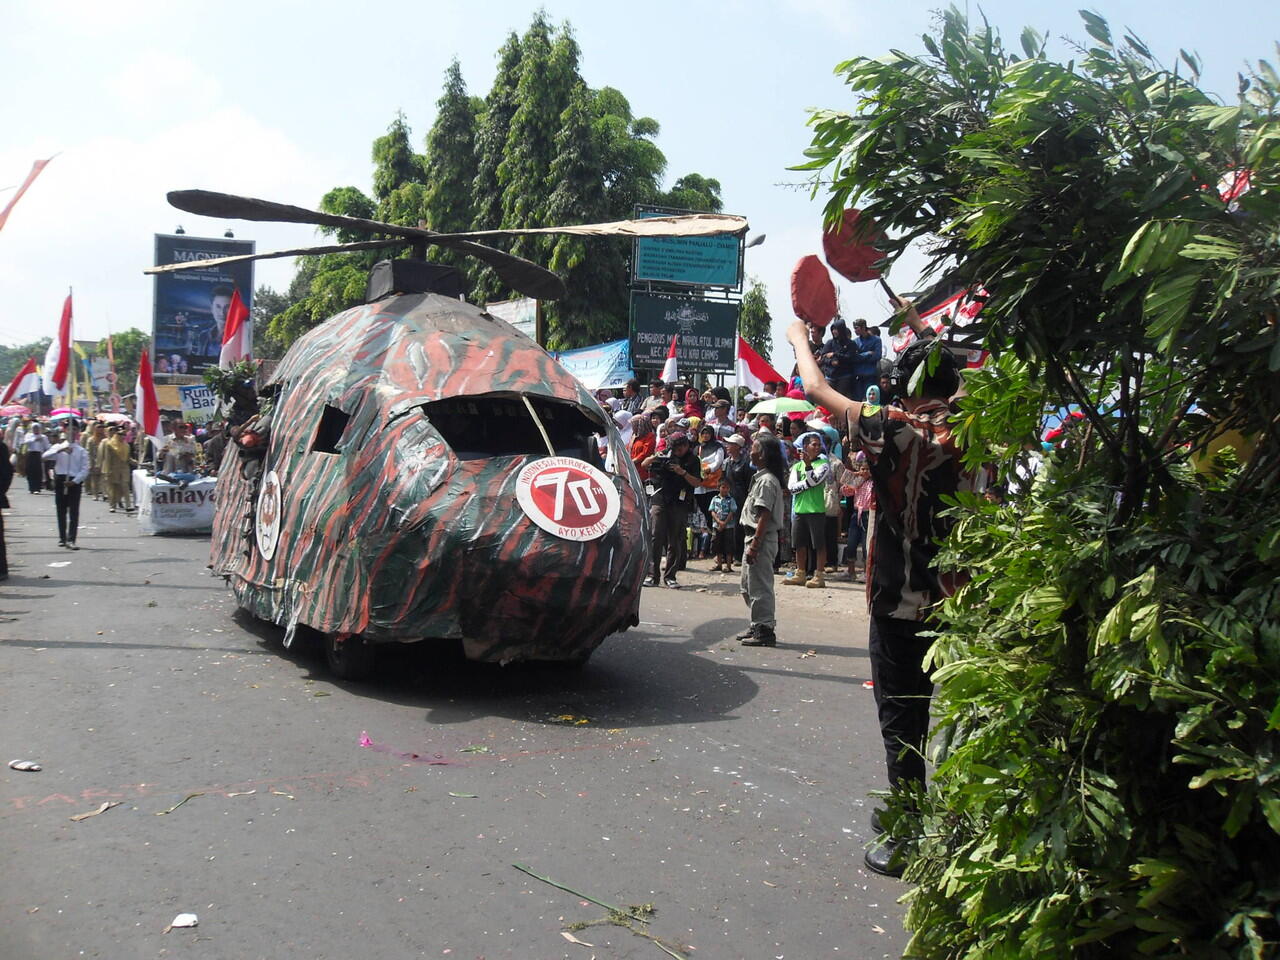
(464, 796)
(868, 685)
(183, 920)
(281, 793)
(244, 793)
(60, 563)
(364, 739)
(26, 766)
(107, 805)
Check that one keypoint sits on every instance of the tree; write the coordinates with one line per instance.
(576, 193)
(451, 157)
(694, 192)
(12, 359)
(1108, 677)
(127, 347)
(754, 320)
(267, 304)
(492, 128)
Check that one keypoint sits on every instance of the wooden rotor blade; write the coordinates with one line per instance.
(523, 275)
(273, 254)
(688, 225)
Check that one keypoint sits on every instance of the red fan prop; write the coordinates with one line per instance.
(813, 295)
(853, 248)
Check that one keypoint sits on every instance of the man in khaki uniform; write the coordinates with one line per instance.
(113, 456)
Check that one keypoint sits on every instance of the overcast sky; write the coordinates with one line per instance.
(283, 99)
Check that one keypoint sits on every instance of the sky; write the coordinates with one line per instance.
(282, 99)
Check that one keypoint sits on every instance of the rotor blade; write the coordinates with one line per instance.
(273, 254)
(522, 275)
(690, 225)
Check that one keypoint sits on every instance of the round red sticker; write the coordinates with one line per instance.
(567, 497)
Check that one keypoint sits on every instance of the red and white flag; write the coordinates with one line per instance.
(148, 412)
(236, 344)
(669, 368)
(754, 370)
(57, 359)
(27, 381)
(13, 201)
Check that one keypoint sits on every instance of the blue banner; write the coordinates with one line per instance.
(600, 367)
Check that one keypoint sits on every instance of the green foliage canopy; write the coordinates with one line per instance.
(1108, 700)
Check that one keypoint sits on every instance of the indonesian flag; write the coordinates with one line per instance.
(754, 370)
(669, 368)
(236, 345)
(57, 359)
(148, 412)
(27, 381)
(13, 201)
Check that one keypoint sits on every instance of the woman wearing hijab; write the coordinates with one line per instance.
(644, 443)
(693, 406)
(711, 454)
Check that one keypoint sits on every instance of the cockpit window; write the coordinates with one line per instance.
(500, 426)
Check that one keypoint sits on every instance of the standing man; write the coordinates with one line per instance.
(762, 518)
(632, 402)
(836, 359)
(674, 475)
(6, 477)
(866, 365)
(914, 464)
(114, 456)
(36, 443)
(70, 470)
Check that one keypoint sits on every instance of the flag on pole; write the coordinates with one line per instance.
(148, 411)
(57, 359)
(669, 368)
(236, 345)
(27, 381)
(754, 370)
(13, 201)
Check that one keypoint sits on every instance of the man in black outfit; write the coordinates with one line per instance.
(836, 358)
(674, 473)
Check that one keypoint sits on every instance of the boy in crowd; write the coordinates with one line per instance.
(723, 510)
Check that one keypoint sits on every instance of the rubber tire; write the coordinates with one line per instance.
(352, 659)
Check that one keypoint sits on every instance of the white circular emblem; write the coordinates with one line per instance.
(267, 526)
(569, 498)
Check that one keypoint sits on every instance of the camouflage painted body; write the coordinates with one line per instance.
(395, 538)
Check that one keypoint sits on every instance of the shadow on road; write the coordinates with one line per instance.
(635, 679)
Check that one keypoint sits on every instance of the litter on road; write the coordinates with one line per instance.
(26, 766)
(107, 805)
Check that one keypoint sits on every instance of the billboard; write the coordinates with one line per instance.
(692, 261)
(707, 331)
(600, 367)
(190, 306)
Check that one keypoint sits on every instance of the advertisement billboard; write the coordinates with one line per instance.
(707, 332)
(190, 306)
(692, 261)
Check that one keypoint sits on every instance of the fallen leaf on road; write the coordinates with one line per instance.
(322, 693)
(572, 939)
(877, 929)
(244, 793)
(768, 884)
(34, 910)
(107, 805)
(189, 796)
(281, 793)
(183, 920)
(476, 748)
(465, 796)
(569, 718)
(808, 653)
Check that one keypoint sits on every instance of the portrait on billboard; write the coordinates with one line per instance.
(190, 310)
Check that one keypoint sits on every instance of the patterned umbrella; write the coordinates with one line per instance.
(15, 410)
(782, 405)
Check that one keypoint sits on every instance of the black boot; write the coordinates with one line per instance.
(884, 858)
(761, 636)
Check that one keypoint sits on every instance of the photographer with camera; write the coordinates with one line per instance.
(674, 473)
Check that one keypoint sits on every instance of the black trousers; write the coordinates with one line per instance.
(902, 690)
(4, 552)
(669, 524)
(66, 500)
(35, 471)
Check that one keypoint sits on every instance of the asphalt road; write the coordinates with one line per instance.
(727, 787)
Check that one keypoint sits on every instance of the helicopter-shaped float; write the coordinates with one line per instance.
(421, 470)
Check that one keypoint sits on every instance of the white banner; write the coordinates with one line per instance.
(171, 507)
(199, 403)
